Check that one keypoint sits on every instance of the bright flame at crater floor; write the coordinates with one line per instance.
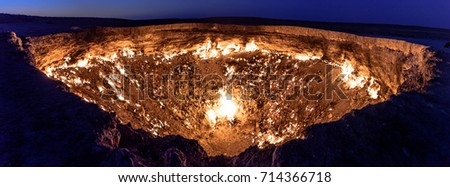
(225, 108)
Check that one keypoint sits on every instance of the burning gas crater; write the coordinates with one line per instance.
(229, 87)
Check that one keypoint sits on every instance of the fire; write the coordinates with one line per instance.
(82, 63)
(353, 80)
(350, 78)
(306, 57)
(250, 47)
(226, 108)
(127, 52)
(211, 114)
(211, 49)
(347, 70)
(232, 47)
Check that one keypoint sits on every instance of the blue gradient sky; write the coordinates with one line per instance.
(432, 13)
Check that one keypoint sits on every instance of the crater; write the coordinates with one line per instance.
(229, 87)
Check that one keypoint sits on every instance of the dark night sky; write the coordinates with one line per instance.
(432, 13)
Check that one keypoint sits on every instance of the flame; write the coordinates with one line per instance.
(359, 80)
(352, 80)
(211, 114)
(232, 47)
(347, 70)
(82, 63)
(203, 50)
(250, 47)
(373, 89)
(213, 50)
(226, 108)
(127, 52)
(306, 57)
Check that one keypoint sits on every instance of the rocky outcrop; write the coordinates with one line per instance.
(14, 40)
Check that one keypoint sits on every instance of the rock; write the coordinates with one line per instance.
(447, 45)
(173, 157)
(119, 158)
(15, 40)
(110, 136)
